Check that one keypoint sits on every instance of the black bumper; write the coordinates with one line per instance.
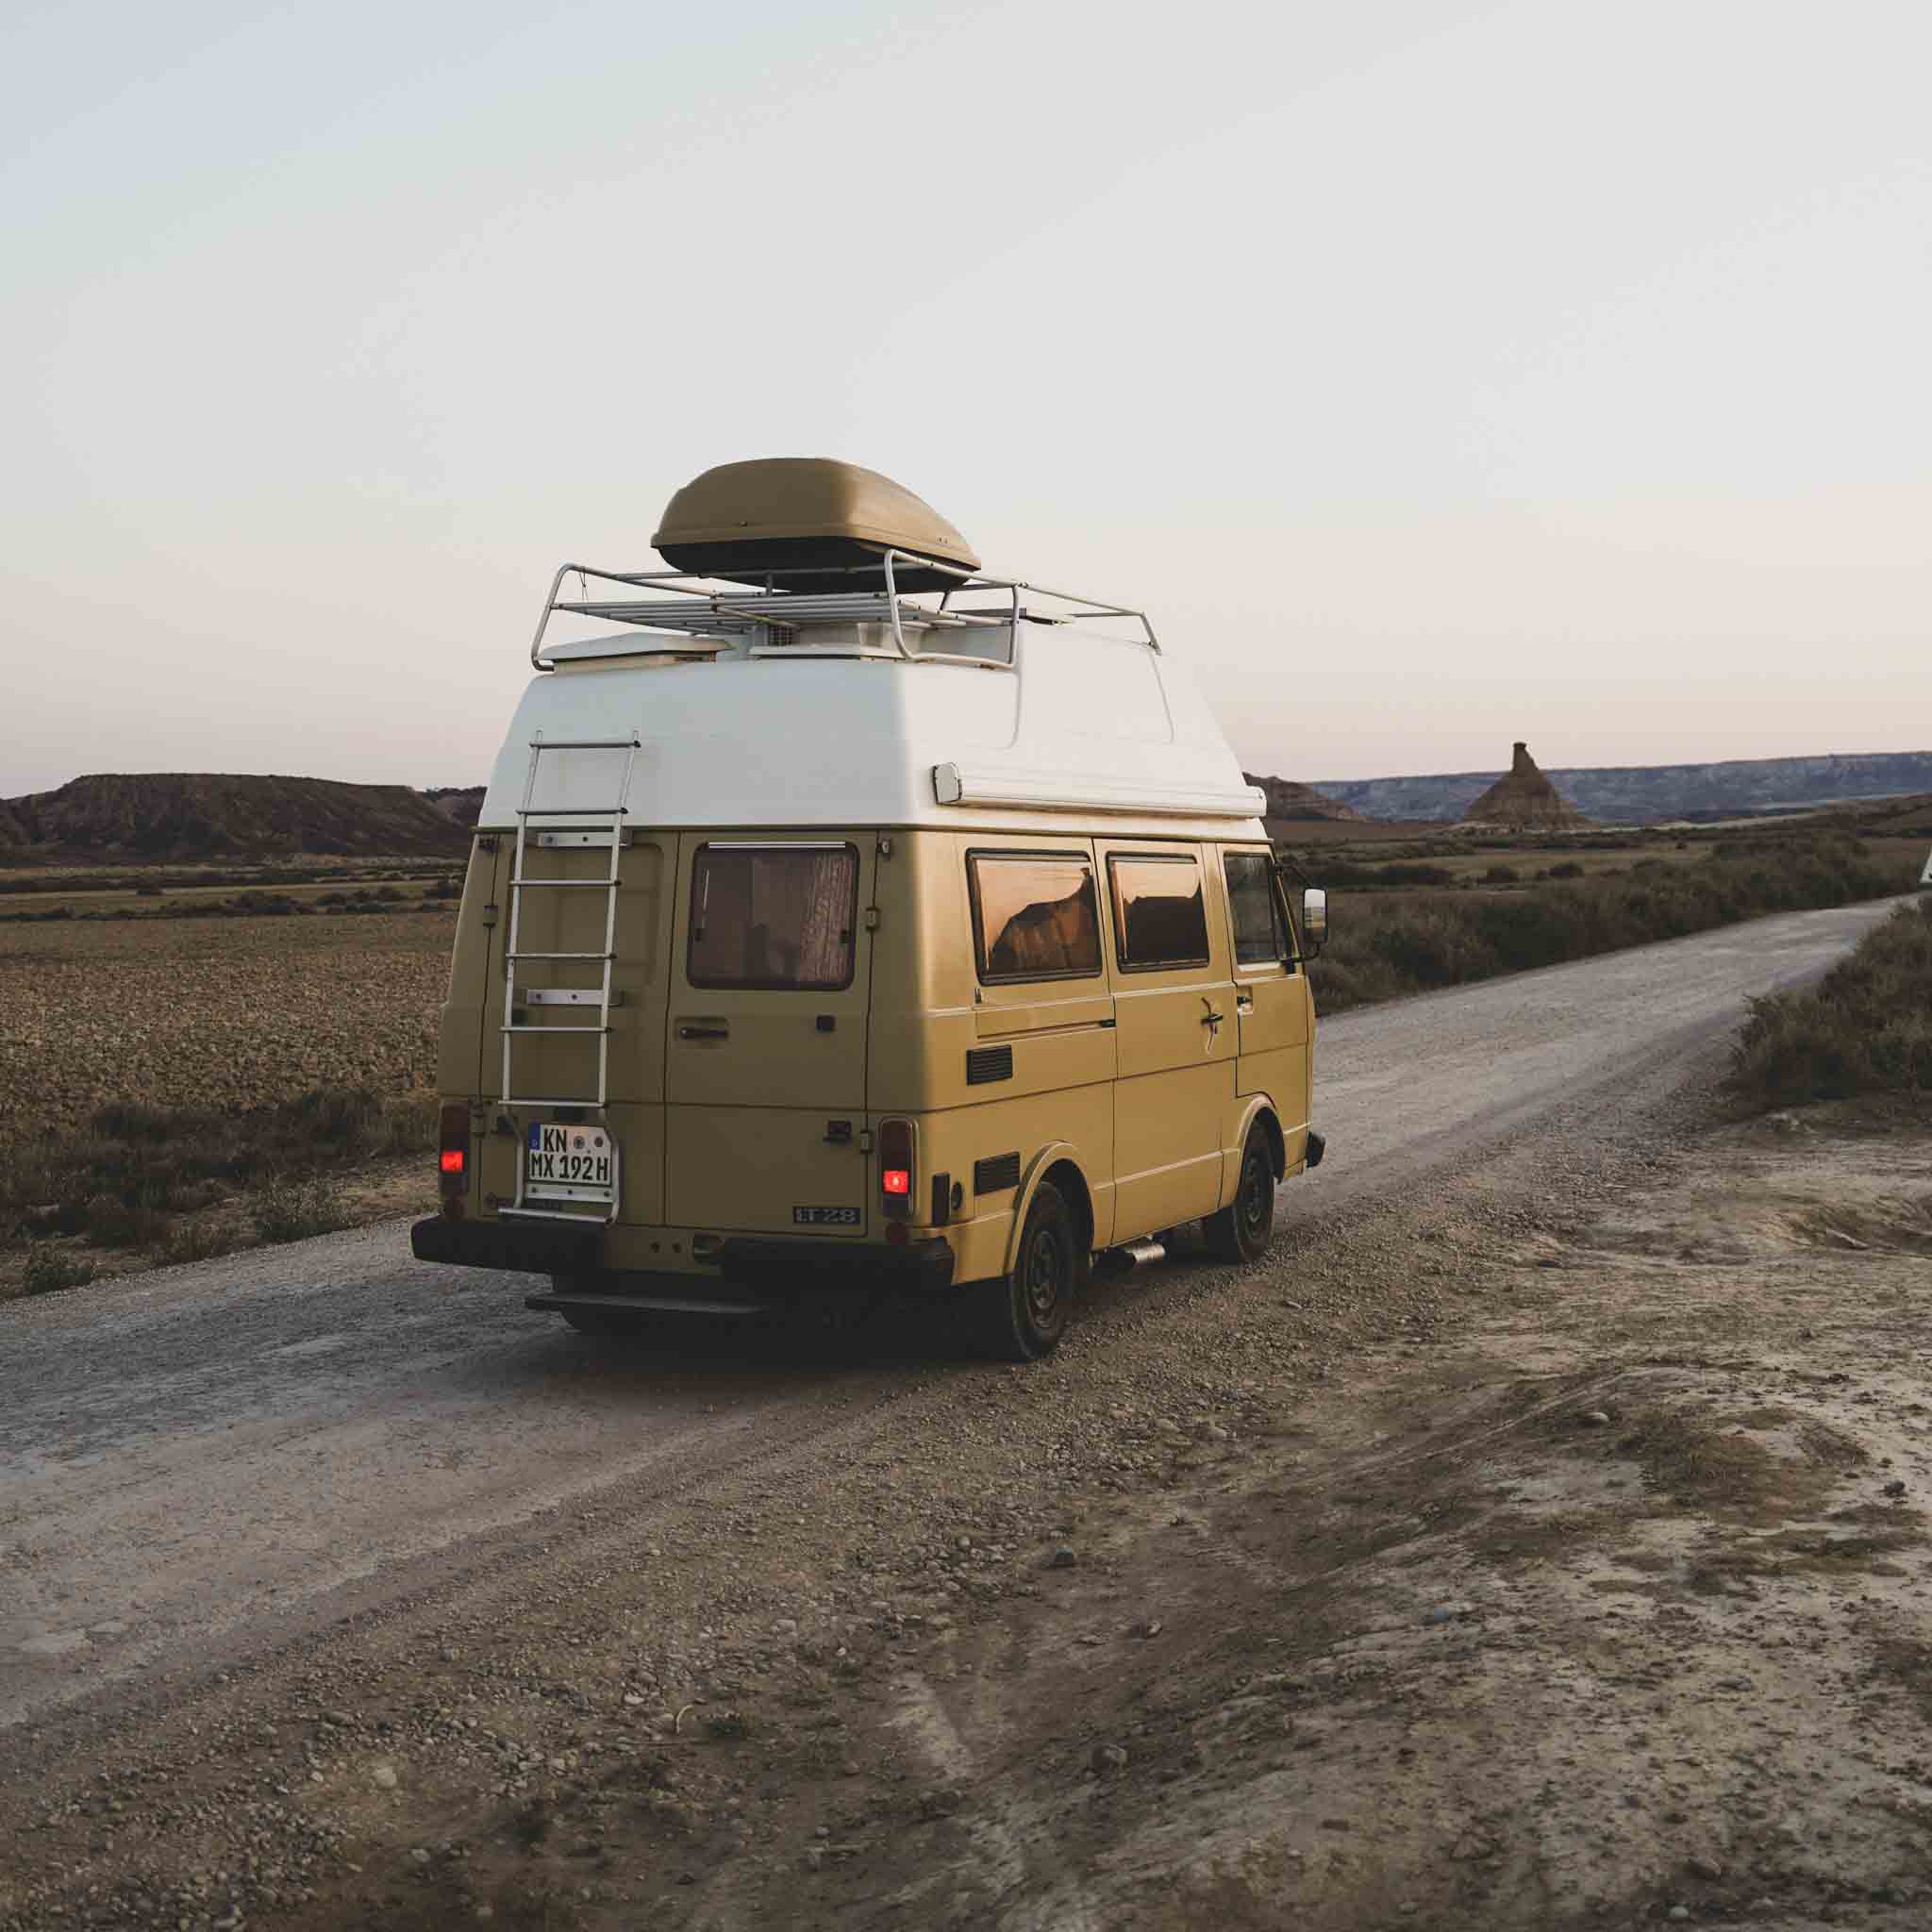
(526, 1247)
(924, 1266)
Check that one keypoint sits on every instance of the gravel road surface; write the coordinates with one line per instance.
(207, 1460)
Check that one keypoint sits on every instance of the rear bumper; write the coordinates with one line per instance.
(772, 1266)
(533, 1247)
(924, 1266)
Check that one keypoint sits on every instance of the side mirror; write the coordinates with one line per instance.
(1314, 919)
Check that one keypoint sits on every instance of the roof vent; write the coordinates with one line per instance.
(807, 523)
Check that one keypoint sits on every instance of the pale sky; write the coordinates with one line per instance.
(1437, 375)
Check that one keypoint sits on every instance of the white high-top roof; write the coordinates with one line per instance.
(768, 710)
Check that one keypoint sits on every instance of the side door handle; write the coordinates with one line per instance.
(704, 1029)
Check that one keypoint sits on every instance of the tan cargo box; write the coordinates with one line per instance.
(810, 524)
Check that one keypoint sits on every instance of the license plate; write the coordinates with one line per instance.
(825, 1217)
(569, 1163)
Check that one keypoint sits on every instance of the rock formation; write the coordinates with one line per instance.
(1523, 800)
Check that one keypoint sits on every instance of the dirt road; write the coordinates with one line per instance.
(319, 1551)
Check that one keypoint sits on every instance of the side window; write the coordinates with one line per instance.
(1159, 919)
(775, 916)
(1034, 915)
(1258, 937)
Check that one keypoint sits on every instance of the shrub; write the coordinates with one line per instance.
(1569, 869)
(1500, 876)
(289, 1210)
(1865, 1028)
(50, 1268)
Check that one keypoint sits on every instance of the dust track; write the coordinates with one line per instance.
(205, 1462)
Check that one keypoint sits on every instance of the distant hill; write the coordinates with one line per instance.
(462, 803)
(1291, 803)
(1641, 795)
(198, 815)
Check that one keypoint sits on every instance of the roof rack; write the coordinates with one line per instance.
(696, 607)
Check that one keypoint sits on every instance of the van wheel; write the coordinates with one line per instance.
(1242, 1230)
(1023, 1315)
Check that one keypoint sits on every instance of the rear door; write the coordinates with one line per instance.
(765, 1054)
(562, 911)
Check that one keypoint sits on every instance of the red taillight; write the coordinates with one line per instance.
(453, 1139)
(896, 1162)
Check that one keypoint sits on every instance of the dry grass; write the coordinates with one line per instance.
(1387, 943)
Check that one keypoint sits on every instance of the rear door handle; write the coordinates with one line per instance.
(710, 1030)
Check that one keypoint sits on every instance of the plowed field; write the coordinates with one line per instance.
(217, 1013)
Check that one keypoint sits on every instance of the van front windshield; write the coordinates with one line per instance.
(776, 916)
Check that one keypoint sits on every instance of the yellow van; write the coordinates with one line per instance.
(853, 917)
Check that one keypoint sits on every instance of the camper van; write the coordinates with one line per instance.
(843, 916)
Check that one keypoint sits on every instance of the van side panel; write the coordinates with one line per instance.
(1274, 1018)
(989, 1072)
(1174, 1101)
(459, 1046)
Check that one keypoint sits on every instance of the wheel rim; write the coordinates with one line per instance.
(1254, 1197)
(1045, 1278)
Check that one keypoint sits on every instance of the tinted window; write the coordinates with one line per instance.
(773, 916)
(1257, 936)
(1034, 916)
(1158, 920)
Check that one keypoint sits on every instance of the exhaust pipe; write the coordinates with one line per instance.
(1143, 1253)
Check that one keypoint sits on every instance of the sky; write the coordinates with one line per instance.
(1438, 375)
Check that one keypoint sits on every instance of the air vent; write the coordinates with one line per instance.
(996, 1174)
(984, 1063)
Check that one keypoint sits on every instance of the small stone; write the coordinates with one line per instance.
(1894, 1488)
(1062, 1558)
(420, 1855)
(632, 1698)
(448, 1653)
(1152, 1628)
(384, 1777)
(1595, 1419)
(1447, 1613)
(1707, 1869)
(1678, 1913)
(1109, 1759)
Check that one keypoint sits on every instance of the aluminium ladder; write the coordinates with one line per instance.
(520, 882)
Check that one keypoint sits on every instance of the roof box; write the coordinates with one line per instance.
(809, 523)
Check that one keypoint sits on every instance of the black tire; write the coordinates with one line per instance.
(1021, 1316)
(1243, 1229)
